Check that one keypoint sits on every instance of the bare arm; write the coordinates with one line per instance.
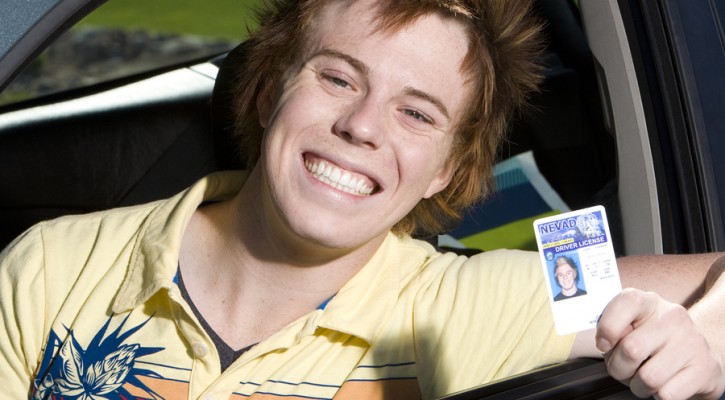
(679, 279)
(709, 313)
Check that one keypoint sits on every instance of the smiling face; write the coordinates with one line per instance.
(565, 275)
(361, 130)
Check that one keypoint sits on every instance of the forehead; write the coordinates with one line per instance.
(563, 263)
(361, 20)
(427, 52)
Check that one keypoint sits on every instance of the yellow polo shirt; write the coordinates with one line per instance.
(90, 307)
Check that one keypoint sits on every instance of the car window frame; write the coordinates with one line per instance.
(36, 30)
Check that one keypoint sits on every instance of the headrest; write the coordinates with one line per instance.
(222, 108)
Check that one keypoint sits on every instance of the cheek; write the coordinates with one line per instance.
(423, 158)
(291, 118)
(415, 168)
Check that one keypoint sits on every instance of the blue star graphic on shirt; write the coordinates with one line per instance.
(98, 371)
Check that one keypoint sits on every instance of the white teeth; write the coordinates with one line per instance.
(337, 178)
(335, 175)
(345, 179)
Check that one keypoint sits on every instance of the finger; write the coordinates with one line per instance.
(622, 314)
(607, 358)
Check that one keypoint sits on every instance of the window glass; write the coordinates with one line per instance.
(127, 37)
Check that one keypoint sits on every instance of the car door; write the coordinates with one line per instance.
(661, 74)
(661, 65)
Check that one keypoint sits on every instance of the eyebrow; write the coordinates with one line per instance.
(362, 67)
(429, 98)
(357, 64)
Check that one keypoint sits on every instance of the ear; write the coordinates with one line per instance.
(441, 180)
(264, 105)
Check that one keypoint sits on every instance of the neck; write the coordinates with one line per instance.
(570, 291)
(249, 280)
(238, 250)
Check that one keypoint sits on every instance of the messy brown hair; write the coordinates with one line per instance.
(500, 68)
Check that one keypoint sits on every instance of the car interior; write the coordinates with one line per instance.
(148, 136)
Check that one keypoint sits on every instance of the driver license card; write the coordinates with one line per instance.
(580, 267)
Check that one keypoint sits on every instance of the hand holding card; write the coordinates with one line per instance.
(654, 347)
(650, 344)
(579, 266)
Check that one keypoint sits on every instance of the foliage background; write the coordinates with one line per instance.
(221, 19)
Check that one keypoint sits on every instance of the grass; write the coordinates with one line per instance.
(222, 19)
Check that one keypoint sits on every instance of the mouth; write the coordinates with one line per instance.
(340, 178)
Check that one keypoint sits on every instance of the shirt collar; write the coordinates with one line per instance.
(155, 256)
(364, 302)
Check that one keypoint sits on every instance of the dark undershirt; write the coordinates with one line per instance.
(227, 355)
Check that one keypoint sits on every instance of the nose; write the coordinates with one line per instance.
(361, 123)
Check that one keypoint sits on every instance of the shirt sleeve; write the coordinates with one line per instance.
(483, 319)
(22, 292)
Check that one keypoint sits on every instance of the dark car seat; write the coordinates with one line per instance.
(100, 159)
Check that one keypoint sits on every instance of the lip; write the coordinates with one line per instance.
(345, 166)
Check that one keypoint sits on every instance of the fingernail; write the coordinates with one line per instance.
(603, 345)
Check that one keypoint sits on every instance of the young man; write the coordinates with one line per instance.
(566, 273)
(299, 278)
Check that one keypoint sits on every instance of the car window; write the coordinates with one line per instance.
(124, 38)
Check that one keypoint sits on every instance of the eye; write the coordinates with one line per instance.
(415, 114)
(336, 81)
